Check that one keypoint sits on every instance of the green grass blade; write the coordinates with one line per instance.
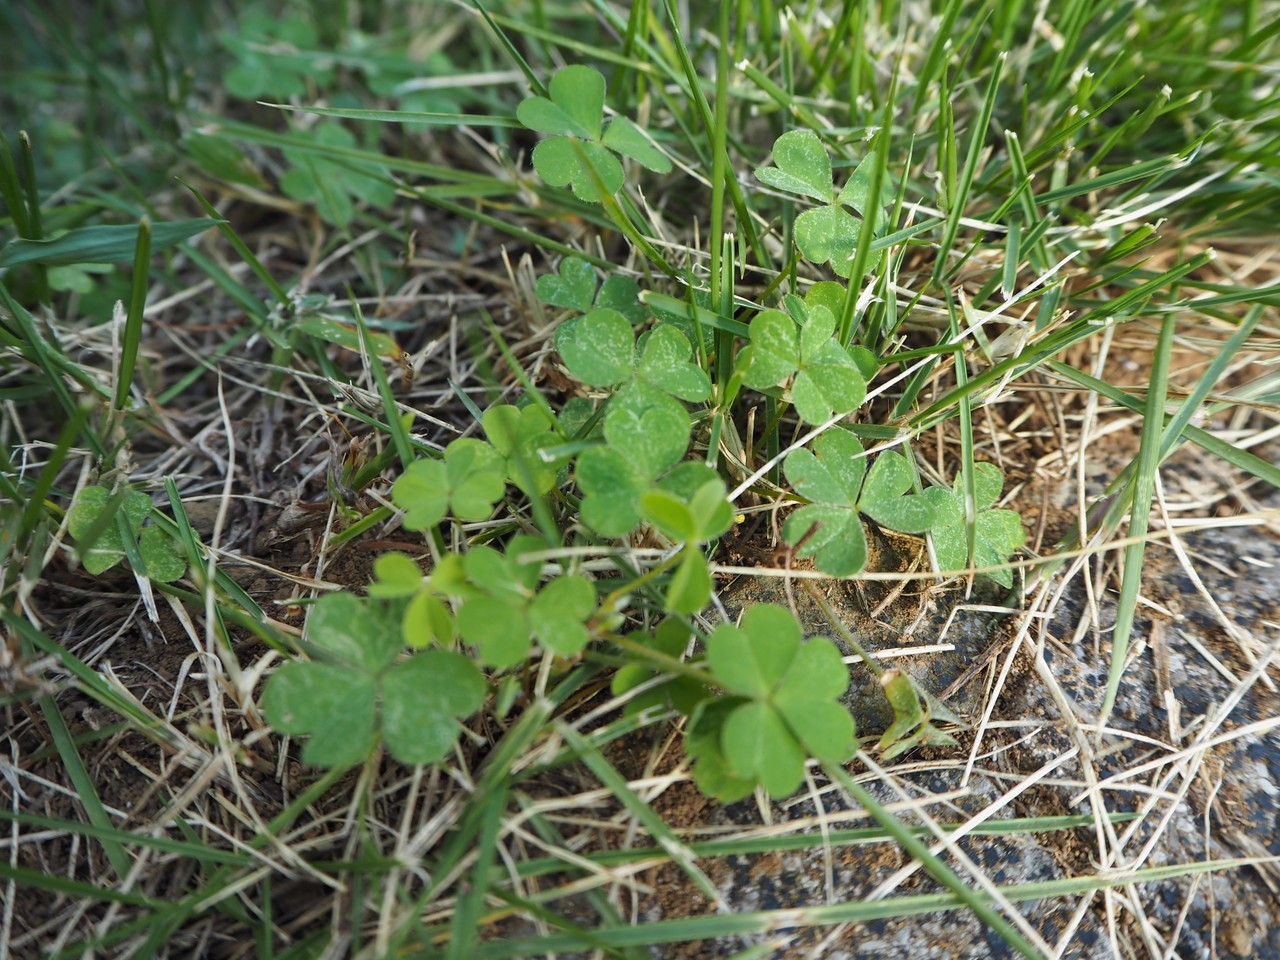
(85, 787)
(1143, 486)
(132, 337)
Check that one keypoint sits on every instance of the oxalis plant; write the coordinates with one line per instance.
(631, 460)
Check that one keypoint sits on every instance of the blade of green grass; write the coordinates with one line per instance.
(132, 337)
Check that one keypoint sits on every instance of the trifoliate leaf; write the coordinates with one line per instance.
(469, 481)
(559, 613)
(997, 533)
(337, 702)
(791, 689)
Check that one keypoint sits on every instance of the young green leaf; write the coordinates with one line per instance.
(831, 477)
(581, 152)
(522, 435)
(913, 722)
(467, 482)
(396, 576)
(790, 688)
(996, 533)
(342, 699)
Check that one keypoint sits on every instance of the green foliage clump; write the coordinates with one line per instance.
(637, 456)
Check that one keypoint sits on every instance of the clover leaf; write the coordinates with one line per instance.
(467, 482)
(275, 57)
(824, 377)
(647, 427)
(789, 689)
(329, 184)
(832, 478)
(600, 350)
(523, 436)
(573, 287)
(581, 151)
(507, 609)
(644, 442)
(354, 690)
(160, 559)
(828, 233)
(996, 533)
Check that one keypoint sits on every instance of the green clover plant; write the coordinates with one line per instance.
(834, 478)
(623, 458)
(467, 482)
(823, 377)
(828, 233)
(107, 533)
(996, 533)
(582, 151)
(787, 708)
(503, 608)
(358, 688)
